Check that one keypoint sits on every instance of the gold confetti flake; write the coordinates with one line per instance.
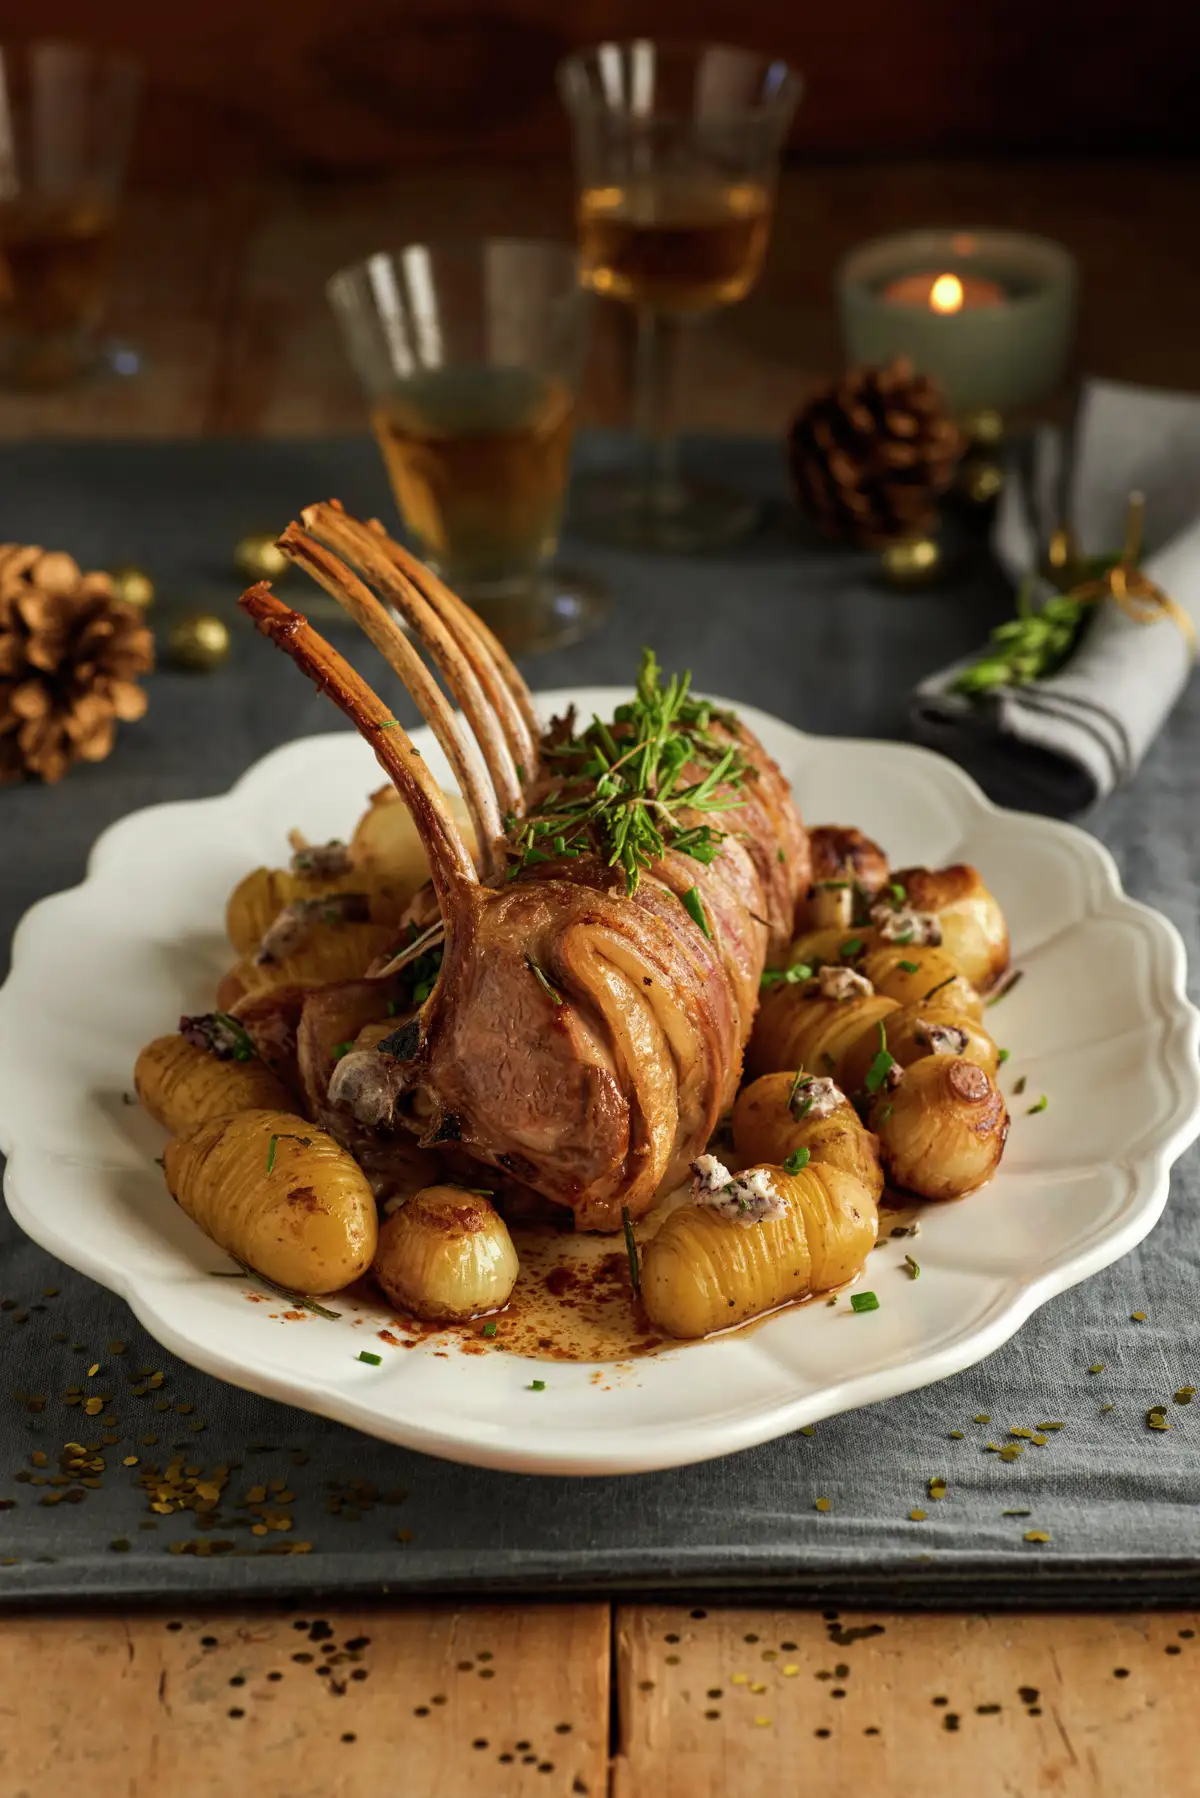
(740, 1679)
(1026, 1435)
(1185, 1395)
(1096, 1367)
(916, 1515)
(823, 1504)
(758, 1687)
(762, 1723)
(1037, 1535)
(93, 1370)
(1040, 1440)
(956, 1436)
(937, 1487)
(983, 1417)
(1156, 1418)
(1137, 1317)
(790, 1669)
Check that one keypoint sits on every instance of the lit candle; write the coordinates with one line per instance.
(989, 314)
(945, 292)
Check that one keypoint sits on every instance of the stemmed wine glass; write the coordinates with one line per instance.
(676, 151)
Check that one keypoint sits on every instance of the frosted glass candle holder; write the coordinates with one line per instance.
(997, 335)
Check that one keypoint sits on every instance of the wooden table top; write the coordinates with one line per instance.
(222, 292)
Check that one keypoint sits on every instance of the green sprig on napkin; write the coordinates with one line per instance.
(1035, 644)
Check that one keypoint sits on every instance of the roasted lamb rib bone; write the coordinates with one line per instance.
(358, 600)
(346, 537)
(450, 865)
(492, 663)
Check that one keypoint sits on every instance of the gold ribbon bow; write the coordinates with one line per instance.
(1138, 596)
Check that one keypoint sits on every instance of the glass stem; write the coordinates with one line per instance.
(659, 344)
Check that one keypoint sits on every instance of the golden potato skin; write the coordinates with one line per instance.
(341, 951)
(182, 1085)
(446, 1255)
(837, 1037)
(942, 1130)
(704, 1271)
(908, 974)
(309, 1223)
(257, 900)
(906, 1028)
(974, 933)
(764, 1130)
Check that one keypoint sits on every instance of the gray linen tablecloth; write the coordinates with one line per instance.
(806, 633)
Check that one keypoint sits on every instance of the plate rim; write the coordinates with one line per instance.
(688, 1440)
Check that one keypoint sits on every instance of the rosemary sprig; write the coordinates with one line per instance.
(617, 788)
(284, 1292)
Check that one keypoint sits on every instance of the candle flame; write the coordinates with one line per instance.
(946, 294)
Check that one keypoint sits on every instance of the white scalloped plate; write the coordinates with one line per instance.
(1100, 1023)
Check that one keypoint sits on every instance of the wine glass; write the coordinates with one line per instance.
(470, 356)
(676, 149)
(66, 119)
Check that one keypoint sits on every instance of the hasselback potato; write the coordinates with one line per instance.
(337, 950)
(182, 1082)
(280, 1195)
(942, 1129)
(797, 1027)
(708, 1268)
(780, 1114)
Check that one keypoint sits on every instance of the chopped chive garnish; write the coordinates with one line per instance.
(520, 766)
(1002, 992)
(537, 1386)
(941, 984)
(635, 1272)
(899, 893)
(800, 970)
(882, 1065)
(284, 1136)
(341, 1049)
(863, 1301)
(1020, 1085)
(913, 1268)
(851, 946)
(909, 967)
(1002, 1055)
(884, 1113)
(781, 857)
(795, 1161)
(1039, 1105)
(370, 1359)
(540, 975)
(695, 907)
(489, 1330)
(389, 724)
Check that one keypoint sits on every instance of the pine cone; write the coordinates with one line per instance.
(872, 454)
(70, 655)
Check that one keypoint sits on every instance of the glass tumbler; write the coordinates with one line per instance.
(676, 153)
(66, 120)
(470, 357)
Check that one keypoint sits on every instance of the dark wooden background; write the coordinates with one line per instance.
(341, 86)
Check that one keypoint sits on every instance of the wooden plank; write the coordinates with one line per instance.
(177, 258)
(430, 1702)
(739, 1703)
(283, 372)
(365, 84)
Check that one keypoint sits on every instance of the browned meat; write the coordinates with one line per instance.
(582, 1037)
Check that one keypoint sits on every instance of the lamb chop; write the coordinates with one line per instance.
(601, 966)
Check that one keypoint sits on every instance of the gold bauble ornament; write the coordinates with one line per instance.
(133, 586)
(911, 561)
(260, 558)
(980, 478)
(199, 642)
(985, 425)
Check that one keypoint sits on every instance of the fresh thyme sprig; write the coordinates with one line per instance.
(619, 786)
